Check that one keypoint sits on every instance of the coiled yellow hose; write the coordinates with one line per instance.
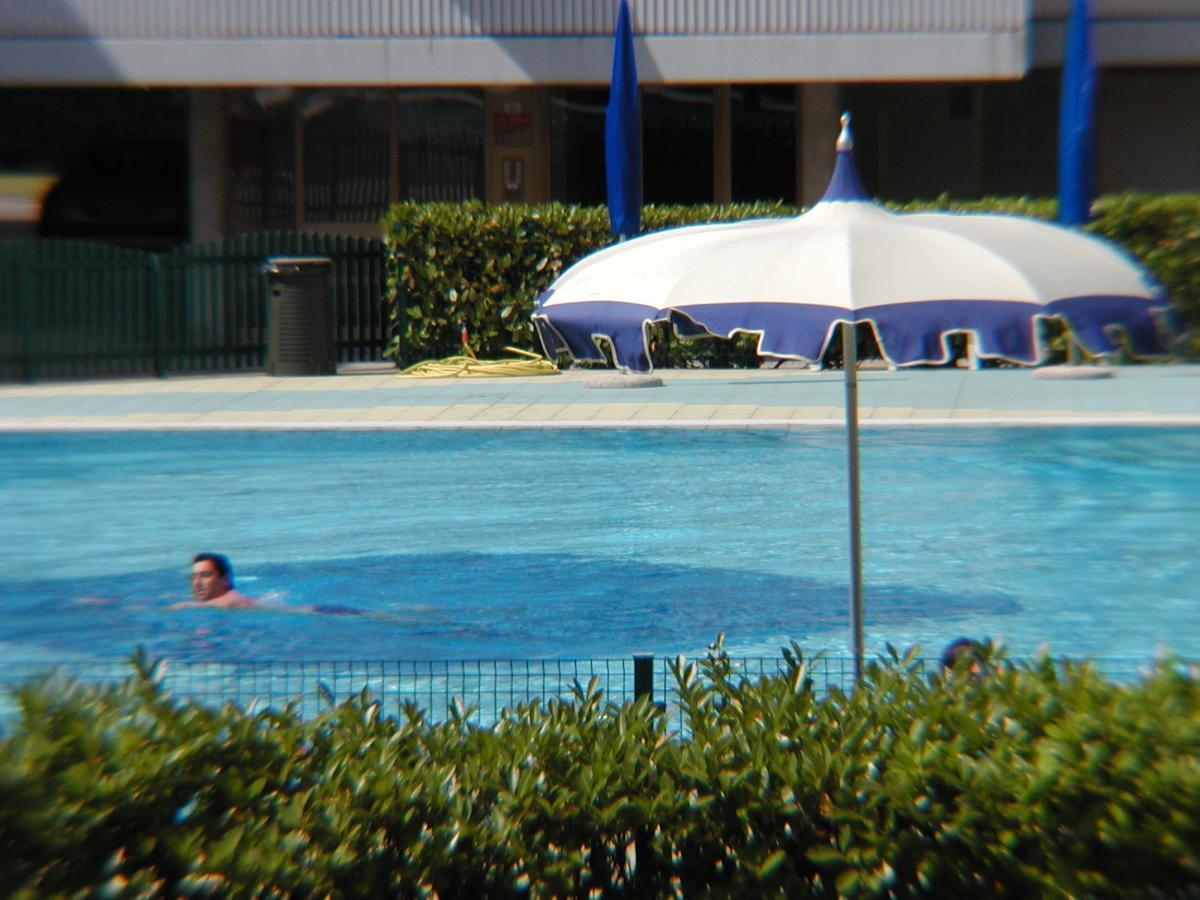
(470, 367)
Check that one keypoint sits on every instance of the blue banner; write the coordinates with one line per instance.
(1076, 120)
(623, 135)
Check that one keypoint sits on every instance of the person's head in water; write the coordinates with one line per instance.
(212, 576)
(964, 648)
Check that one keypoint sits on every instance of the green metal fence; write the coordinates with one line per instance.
(78, 309)
(483, 687)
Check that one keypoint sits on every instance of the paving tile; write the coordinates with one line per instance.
(689, 397)
(618, 411)
(816, 412)
(969, 413)
(577, 412)
(501, 411)
(772, 412)
(538, 412)
(694, 411)
(460, 411)
(663, 411)
(730, 411)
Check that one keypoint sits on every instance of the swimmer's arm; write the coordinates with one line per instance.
(231, 600)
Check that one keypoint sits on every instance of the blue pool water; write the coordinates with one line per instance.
(599, 543)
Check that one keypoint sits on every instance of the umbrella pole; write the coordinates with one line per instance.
(850, 367)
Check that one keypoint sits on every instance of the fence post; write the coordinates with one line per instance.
(401, 326)
(25, 307)
(156, 314)
(643, 677)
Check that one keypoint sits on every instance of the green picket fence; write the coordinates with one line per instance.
(78, 309)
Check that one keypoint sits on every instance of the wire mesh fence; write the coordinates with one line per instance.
(484, 689)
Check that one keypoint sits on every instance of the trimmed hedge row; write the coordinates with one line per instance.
(484, 266)
(1029, 781)
(452, 264)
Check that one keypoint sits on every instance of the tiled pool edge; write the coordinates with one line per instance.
(1013, 421)
(704, 399)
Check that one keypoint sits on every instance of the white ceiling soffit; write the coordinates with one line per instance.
(262, 42)
(1125, 32)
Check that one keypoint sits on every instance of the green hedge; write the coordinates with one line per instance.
(1028, 781)
(485, 265)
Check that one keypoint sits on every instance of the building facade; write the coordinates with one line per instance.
(302, 114)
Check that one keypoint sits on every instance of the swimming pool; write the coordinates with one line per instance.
(561, 544)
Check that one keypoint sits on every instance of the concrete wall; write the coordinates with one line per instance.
(358, 42)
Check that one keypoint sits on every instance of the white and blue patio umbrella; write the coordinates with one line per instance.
(914, 279)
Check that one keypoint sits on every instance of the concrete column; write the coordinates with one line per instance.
(818, 107)
(722, 143)
(208, 153)
(516, 145)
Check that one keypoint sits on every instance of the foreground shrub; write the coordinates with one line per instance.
(484, 266)
(1030, 781)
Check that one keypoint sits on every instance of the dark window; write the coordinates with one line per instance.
(677, 137)
(440, 153)
(262, 159)
(764, 142)
(92, 138)
(1020, 136)
(345, 155)
(577, 173)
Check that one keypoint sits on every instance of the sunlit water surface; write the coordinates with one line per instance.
(562, 544)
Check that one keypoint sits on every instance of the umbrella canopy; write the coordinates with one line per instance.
(914, 278)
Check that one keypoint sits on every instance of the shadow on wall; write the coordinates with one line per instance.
(82, 154)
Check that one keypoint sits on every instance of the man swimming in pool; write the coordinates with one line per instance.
(212, 584)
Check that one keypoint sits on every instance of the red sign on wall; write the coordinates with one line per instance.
(513, 129)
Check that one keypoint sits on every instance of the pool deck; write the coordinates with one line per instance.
(363, 396)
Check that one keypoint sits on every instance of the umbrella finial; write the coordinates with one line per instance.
(845, 184)
(845, 140)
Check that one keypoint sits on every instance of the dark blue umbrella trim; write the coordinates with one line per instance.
(574, 327)
(908, 333)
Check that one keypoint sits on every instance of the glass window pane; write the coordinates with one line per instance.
(262, 159)
(1020, 136)
(577, 172)
(93, 136)
(440, 136)
(677, 137)
(764, 142)
(345, 155)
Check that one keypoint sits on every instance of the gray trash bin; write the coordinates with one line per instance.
(300, 326)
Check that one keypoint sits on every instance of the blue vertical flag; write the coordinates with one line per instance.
(623, 135)
(1076, 119)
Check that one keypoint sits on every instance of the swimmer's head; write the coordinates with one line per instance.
(212, 576)
(964, 649)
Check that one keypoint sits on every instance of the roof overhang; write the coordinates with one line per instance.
(514, 60)
(423, 42)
